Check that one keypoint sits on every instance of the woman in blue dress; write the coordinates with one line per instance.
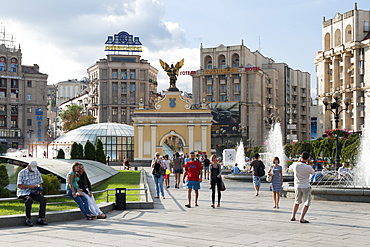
(277, 180)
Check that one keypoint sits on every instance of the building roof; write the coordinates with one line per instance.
(90, 132)
(96, 171)
(30, 70)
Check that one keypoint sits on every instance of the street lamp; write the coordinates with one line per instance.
(239, 130)
(271, 119)
(334, 108)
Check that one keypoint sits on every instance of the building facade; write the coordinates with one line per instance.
(23, 100)
(250, 87)
(341, 67)
(69, 89)
(117, 84)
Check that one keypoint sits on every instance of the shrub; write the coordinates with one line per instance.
(100, 155)
(4, 181)
(80, 151)
(89, 151)
(51, 184)
(61, 154)
(74, 151)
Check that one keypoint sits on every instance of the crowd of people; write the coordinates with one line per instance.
(79, 188)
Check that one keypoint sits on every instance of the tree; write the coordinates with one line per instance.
(74, 151)
(100, 155)
(73, 118)
(80, 151)
(89, 151)
(4, 181)
(3, 148)
(51, 184)
(61, 154)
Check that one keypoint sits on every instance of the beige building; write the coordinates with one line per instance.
(69, 89)
(23, 99)
(117, 84)
(342, 67)
(250, 87)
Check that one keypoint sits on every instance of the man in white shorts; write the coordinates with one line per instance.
(302, 171)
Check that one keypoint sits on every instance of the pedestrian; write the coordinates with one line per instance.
(236, 169)
(167, 164)
(206, 163)
(302, 171)
(178, 164)
(72, 189)
(85, 184)
(29, 189)
(193, 174)
(258, 169)
(158, 167)
(215, 171)
(276, 171)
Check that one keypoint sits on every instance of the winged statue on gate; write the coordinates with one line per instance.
(172, 72)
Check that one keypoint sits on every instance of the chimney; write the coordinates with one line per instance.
(36, 67)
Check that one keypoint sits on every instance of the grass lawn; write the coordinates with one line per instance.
(124, 179)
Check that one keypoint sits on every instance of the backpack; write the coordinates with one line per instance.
(261, 170)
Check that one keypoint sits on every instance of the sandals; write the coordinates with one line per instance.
(188, 206)
(304, 221)
(89, 218)
(102, 216)
(213, 206)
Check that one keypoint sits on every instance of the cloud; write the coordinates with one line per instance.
(66, 37)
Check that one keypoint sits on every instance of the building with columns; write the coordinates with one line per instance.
(250, 87)
(341, 67)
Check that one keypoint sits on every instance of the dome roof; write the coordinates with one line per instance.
(90, 132)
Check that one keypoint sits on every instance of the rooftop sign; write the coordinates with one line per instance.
(123, 41)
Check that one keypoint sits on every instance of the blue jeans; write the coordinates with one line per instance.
(158, 185)
(81, 202)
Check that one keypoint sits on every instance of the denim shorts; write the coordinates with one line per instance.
(257, 181)
(195, 185)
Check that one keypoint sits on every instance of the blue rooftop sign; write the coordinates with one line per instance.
(123, 41)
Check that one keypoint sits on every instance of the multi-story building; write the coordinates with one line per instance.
(244, 87)
(341, 67)
(23, 99)
(69, 89)
(117, 84)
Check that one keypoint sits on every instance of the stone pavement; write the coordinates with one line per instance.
(242, 220)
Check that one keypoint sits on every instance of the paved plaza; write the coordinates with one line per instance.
(242, 220)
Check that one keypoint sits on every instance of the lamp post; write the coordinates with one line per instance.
(221, 132)
(271, 119)
(334, 108)
(239, 130)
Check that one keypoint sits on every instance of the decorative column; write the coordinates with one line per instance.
(140, 139)
(191, 137)
(204, 138)
(153, 129)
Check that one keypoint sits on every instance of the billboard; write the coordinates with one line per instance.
(123, 41)
(225, 115)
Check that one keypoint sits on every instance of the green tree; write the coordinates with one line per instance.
(4, 181)
(51, 184)
(80, 151)
(89, 151)
(100, 155)
(73, 118)
(61, 154)
(3, 148)
(74, 151)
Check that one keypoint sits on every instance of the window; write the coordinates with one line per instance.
(14, 83)
(114, 74)
(303, 108)
(2, 67)
(29, 83)
(29, 122)
(223, 77)
(209, 98)
(209, 78)
(13, 68)
(124, 88)
(223, 64)
(115, 100)
(123, 100)
(223, 89)
(236, 63)
(29, 96)
(303, 100)
(224, 98)
(14, 123)
(294, 89)
(209, 89)
(237, 97)
(114, 87)
(209, 65)
(114, 111)
(237, 88)
(294, 97)
(303, 90)
(237, 76)
(2, 122)
(29, 110)
(132, 87)
(123, 111)
(123, 75)
(132, 75)
(2, 82)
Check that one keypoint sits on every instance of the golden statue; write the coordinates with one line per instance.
(172, 72)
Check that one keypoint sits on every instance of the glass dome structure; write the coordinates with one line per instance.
(117, 139)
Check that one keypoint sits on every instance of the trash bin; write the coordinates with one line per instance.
(120, 199)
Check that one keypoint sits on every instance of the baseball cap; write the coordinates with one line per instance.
(33, 165)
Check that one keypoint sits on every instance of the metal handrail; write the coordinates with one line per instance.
(94, 192)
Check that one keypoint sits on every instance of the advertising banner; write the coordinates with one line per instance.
(226, 115)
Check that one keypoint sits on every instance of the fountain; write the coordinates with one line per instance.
(275, 146)
(240, 157)
(362, 170)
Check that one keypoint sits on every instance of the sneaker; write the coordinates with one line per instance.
(41, 222)
(29, 222)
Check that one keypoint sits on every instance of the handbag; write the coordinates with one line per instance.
(269, 178)
(223, 187)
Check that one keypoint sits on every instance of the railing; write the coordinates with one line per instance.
(106, 197)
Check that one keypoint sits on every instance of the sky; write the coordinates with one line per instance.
(66, 37)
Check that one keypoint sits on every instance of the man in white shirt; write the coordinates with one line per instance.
(302, 171)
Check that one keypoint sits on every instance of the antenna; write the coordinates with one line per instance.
(259, 44)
